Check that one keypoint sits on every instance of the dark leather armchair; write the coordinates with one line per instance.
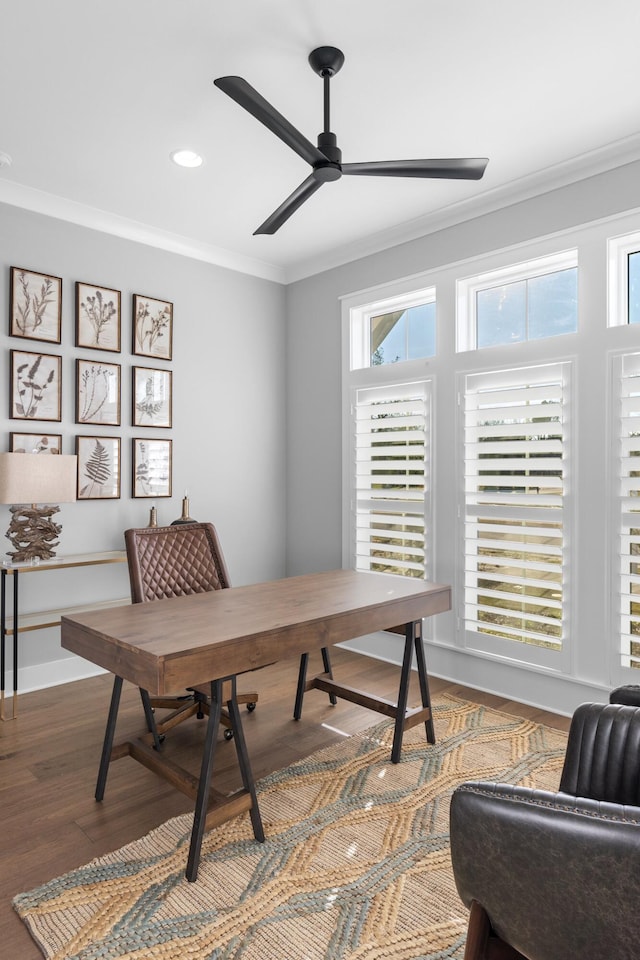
(556, 876)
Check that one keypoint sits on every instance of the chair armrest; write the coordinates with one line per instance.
(558, 876)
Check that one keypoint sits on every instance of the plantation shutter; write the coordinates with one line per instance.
(516, 450)
(629, 496)
(392, 478)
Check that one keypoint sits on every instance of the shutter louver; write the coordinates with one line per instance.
(629, 497)
(391, 478)
(515, 484)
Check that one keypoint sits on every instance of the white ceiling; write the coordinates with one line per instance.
(95, 94)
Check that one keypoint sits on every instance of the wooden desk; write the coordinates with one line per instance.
(172, 644)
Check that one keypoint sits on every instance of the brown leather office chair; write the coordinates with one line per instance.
(555, 876)
(169, 562)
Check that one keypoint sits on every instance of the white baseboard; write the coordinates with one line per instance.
(51, 674)
(542, 689)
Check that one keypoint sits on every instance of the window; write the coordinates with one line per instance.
(407, 334)
(527, 301)
(390, 450)
(628, 378)
(516, 452)
(624, 280)
(393, 330)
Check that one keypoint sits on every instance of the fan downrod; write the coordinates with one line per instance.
(326, 61)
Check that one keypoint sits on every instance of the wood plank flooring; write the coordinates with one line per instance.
(49, 821)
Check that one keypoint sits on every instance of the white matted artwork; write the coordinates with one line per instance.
(98, 393)
(35, 443)
(151, 397)
(98, 468)
(36, 305)
(35, 386)
(152, 327)
(151, 467)
(98, 319)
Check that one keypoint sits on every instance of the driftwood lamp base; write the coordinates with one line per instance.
(33, 533)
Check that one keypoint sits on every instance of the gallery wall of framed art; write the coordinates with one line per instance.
(110, 465)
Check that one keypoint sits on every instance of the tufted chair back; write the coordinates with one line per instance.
(174, 561)
(601, 762)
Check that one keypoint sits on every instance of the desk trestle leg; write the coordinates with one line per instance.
(204, 784)
(107, 746)
(404, 718)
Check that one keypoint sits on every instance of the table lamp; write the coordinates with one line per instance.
(29, 479)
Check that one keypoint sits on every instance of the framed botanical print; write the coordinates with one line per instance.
(152, 327)
(35, 305)
(35, 443)
(98, 318)
(98, 393)
(151, 397)
(98, 468)
(151, 467)
(35, 386)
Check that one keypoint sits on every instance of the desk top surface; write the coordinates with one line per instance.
(187, 640)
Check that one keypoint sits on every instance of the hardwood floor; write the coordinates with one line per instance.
(49, 757)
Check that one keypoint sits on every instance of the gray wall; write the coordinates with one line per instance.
(314, 426)
(228, 408)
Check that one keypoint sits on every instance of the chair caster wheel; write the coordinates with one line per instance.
(228, 734)
(251, 707)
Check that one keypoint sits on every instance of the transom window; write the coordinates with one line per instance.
(394, 330)
(406, 334)
(624, 280)
(527, 301)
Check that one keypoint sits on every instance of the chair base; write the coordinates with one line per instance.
(194, 703)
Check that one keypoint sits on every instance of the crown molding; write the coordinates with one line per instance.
(543, 181)
(39, 201)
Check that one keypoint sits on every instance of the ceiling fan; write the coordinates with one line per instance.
(326, 158)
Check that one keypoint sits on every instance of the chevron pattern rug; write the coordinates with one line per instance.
(356, 863)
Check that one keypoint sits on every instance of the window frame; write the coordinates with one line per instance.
(359, 325)
(467, 289)
(618, 250)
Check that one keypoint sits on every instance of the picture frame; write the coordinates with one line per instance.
(152, 397)
(152, 327)
(35, 386)
(35, 308)
(99, 468)
(152, 467)
(35, 443)
(98, 317)
(98, 393)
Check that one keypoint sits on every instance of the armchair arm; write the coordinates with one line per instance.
(558, 876)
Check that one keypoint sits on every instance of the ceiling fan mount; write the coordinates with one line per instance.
(326, 61)
(326, 159)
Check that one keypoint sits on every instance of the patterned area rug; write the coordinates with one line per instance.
(355, 866)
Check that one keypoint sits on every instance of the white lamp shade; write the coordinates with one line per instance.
(37, 478)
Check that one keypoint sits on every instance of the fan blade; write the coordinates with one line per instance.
(290, 205)
(469, 169)
(245, 95)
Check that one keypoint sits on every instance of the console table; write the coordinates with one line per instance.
(14, 625)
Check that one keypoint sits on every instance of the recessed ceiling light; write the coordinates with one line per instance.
(186, 158)
(5, 159)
